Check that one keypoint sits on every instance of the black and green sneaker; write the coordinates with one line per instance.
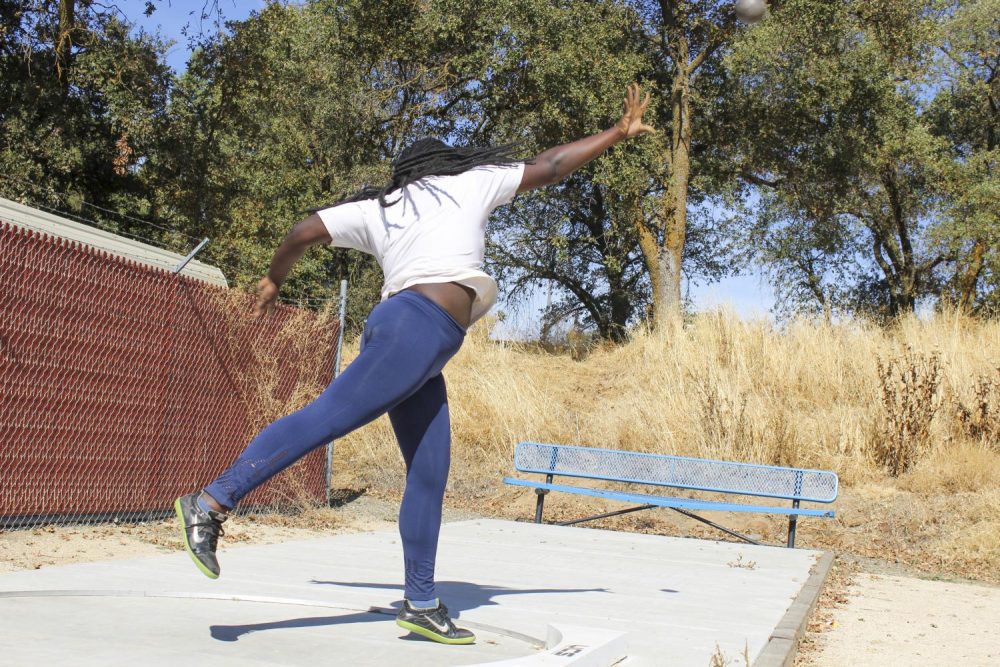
(201, 531)
(433, 624)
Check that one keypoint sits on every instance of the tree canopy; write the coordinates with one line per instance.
(847, 149)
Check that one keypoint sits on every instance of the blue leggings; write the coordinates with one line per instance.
(406, 342)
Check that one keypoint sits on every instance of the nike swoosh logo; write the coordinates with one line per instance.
(443, 629)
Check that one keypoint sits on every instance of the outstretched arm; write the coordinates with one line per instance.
(306, 233)
(557, 163)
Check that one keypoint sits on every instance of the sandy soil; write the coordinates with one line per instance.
(890, 620)
(59, 545)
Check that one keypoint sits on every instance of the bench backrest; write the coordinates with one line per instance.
(677, 471)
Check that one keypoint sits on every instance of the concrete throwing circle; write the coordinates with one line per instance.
(135, 627)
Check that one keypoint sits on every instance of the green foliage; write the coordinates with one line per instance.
(75, 131)
(268, 122)
(965, 112)
(851, 145)
(304, 105)
(568, 81)
(856, 184)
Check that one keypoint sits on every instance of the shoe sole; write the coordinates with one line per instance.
(187, 547)
(433, 636)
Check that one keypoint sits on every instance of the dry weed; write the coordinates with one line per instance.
(910, 399)
(279, 372)
(744, 564)
(981, 419)
(719, 659)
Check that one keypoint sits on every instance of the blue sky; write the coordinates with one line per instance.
(749, 296)
(172, 16)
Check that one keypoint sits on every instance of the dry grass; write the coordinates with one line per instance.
(273, 368)
(720, 659)
(277, 371)
(907, 416)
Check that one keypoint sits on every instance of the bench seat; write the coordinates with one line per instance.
(666, 501)
(686, 473)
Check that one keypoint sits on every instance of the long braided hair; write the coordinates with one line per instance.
(431, 157)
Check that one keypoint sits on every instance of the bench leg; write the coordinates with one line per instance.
(793, 520)
(725, 530)
(606, 515)
(540, 503)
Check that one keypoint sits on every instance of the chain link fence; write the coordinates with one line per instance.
(124, 386)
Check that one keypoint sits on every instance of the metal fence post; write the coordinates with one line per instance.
(336, 372)
(184, 262)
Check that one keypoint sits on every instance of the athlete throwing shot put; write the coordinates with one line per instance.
(426, 228)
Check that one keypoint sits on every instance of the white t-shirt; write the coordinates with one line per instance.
(435, 233)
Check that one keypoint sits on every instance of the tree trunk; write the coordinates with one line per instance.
(650, 247)
(892, 235)
(619, 302)
(668, 308)
(620, 307)
(969, 277)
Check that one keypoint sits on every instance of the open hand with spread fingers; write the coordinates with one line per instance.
(267, 295)
(630, 124)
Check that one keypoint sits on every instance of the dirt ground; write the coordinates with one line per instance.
(871, 612)
(34, 548)
(897, 620)
(48, 546)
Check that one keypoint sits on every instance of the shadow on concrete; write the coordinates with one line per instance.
(458, 595)
(232, 633)
(462, 596)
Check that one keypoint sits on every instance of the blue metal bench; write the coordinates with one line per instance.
(610, 465)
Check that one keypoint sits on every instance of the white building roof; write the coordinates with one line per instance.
(54, 225)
